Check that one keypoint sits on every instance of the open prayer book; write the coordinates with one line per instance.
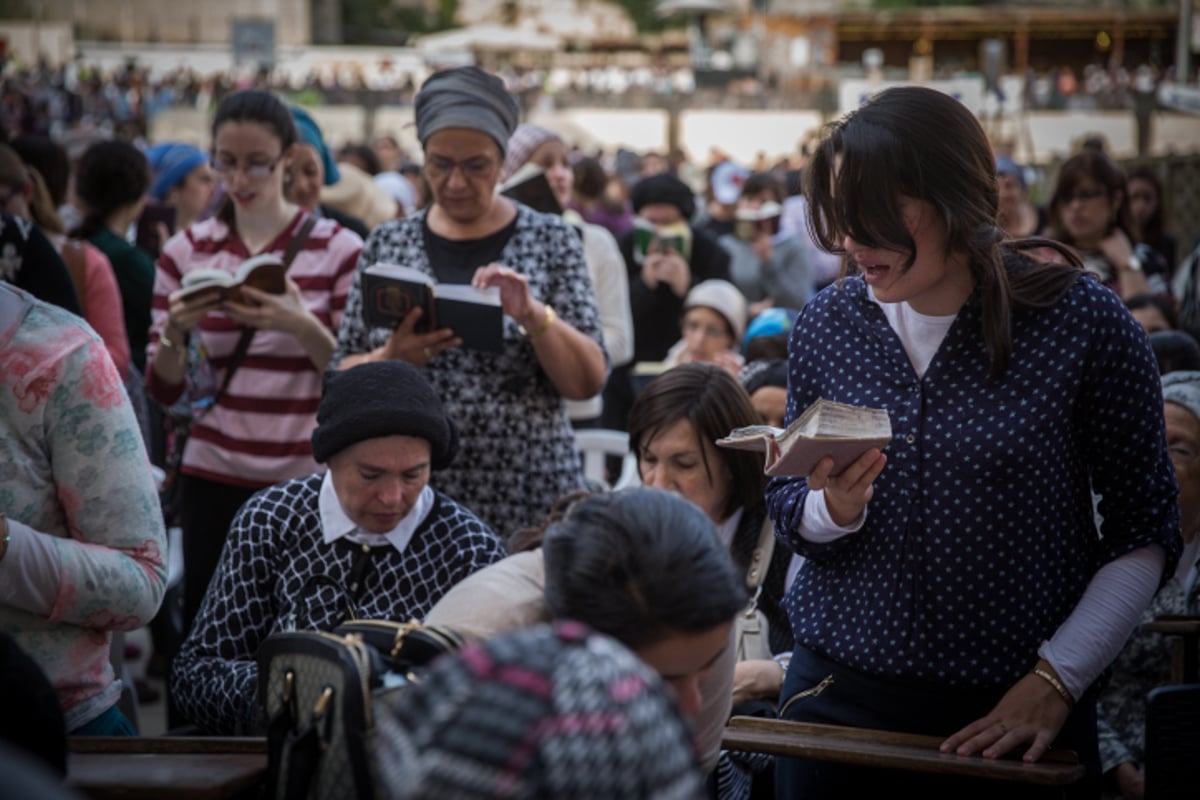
(826, 428)
(264, 272)
(475, 315)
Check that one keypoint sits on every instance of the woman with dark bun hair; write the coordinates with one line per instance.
(111, 182)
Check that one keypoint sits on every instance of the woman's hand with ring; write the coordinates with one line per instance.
(1030, 713)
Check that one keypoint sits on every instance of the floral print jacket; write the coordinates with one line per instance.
(87, 549)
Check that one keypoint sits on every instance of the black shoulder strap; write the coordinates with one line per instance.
(243, 343)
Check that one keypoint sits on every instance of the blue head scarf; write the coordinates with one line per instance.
(171, 163)
(310, 134)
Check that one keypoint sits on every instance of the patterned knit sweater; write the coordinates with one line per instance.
(264, 585)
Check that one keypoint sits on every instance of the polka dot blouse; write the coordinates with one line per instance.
(980, 537)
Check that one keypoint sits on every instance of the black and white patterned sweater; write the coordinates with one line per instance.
(517, 450)
(263, 585)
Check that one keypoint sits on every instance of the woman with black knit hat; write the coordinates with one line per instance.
(371, 523)
(518, 451)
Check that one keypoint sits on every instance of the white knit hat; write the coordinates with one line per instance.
(724, 298)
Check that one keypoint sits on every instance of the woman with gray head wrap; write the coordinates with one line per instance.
(517, 449)
(1145, 661)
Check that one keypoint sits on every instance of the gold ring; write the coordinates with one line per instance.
(428, 353)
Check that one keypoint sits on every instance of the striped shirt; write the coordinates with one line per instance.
(258, 432)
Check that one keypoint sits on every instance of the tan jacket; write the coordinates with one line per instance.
(508, 596)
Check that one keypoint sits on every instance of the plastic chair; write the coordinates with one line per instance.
(596, 445)
(1172, 731)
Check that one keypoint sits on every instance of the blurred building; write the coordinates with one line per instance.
(164, 21)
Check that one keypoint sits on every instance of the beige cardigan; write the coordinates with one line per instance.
(507, 596)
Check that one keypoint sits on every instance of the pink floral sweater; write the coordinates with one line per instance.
(87, 553)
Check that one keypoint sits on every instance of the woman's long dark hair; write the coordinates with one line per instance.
(920, 143)
(639, 565)
(110, 176)
(262, 108)
(1152, 231)
(714, 403)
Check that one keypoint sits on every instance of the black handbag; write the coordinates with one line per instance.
(317, 691)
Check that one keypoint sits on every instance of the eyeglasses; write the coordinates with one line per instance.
(710, 331)
(254, 170)
(1083, 196)
(477, 167)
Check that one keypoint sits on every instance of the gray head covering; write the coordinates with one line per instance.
(1183, 388)
(466, 97)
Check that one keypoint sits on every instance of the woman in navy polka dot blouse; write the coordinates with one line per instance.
(961, 583)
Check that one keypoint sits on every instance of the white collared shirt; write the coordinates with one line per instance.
(336, 524)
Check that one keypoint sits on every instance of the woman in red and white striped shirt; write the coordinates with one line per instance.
(257, 433)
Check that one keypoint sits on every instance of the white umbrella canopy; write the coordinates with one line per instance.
(491, 38)
(669, 8)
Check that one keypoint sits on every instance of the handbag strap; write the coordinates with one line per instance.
(243, 343)
(760, 562)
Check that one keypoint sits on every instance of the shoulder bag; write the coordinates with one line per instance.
(200, 391)
(752, 633)
(318, 692)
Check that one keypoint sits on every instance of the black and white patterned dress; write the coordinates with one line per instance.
(517, 452)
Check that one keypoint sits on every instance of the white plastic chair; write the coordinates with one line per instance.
(596, 445)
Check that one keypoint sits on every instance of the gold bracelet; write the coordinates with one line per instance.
(1049, 678)
(551, 315)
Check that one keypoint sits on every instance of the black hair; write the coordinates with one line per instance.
(766, 347)
(110, 176)
(590, 178)
(759, 182)
(1175, 351)
(1164, 306)
(1152, 231)
(640, 565)
(371, 162)
(257, 106)
(887, 152)
(1089, 164)
(714, 403)
(50, 159)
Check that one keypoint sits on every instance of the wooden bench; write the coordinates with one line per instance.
(890, 750)
(1184, 633)
(133, 767)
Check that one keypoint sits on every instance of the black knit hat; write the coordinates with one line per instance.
(382, 398)
(663, 188)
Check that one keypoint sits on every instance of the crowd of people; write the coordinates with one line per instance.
(978, 578)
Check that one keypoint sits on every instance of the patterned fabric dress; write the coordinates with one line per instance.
(1144, 664)
(517, 453)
